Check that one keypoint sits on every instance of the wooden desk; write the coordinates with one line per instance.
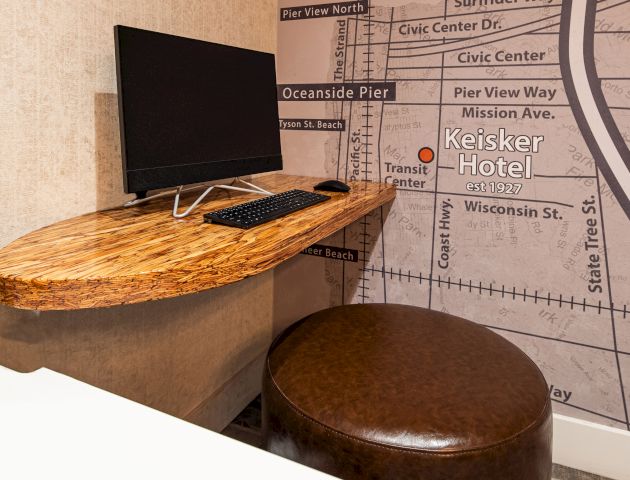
(131, 255)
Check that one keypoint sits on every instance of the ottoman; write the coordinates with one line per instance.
(400, 392)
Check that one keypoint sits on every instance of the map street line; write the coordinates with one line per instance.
(437, 170)
(562, 340)
(498, 10)
(477, 66)
(354, 56)
(589, 411)
(515, 199)
(611, 154)
(495, 37)
(610, 299)
(514, 293)
(533, 32)
(437, 166)
(343, 76)
(343, 79)
(400, 80)
(479, 104)
(470, 41)
(565, 176)
(366, 148)
(380, 136)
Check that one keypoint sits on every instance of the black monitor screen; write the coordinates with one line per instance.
(193, 111)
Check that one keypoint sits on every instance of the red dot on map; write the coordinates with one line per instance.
(426, 155)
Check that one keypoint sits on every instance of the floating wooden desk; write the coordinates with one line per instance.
(131, 255)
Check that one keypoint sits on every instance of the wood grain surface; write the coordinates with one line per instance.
(131, 255)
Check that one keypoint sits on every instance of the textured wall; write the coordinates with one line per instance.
(59, 148)
(60, 157)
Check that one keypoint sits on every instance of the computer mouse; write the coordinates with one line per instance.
(332, 186)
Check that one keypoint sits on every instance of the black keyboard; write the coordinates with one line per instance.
(250, 214)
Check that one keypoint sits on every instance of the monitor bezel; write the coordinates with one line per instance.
(147, 179)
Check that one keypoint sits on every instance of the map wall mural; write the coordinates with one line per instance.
(504, 125)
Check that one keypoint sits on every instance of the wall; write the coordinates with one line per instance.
(59, 121)
(60, 157)
(518, 260)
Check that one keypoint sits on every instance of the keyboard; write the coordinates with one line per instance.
(256, 212)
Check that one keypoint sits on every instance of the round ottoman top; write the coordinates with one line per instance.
(407, 377)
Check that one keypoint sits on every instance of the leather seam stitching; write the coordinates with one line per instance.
(330, 430)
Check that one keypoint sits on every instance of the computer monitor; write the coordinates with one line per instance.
(193, 111)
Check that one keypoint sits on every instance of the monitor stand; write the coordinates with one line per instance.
(253, 189)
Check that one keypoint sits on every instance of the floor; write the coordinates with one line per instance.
(246, 428)
(565, 473)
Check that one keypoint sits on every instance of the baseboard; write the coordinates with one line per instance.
(591, 447)
(217, 411)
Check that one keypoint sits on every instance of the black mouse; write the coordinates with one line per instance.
(332, 186)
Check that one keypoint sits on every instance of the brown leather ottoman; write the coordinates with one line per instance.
(398, 392)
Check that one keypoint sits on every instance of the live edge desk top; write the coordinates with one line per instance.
(131, 255)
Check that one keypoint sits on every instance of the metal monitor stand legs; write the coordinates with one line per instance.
(253, 189)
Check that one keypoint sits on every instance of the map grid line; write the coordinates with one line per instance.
(437, 165)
